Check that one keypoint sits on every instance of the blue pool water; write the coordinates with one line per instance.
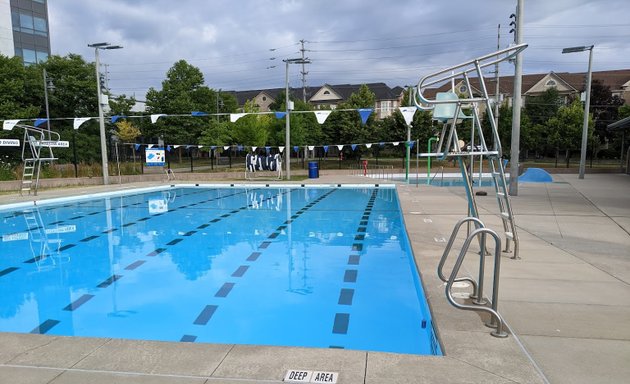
(312, 267)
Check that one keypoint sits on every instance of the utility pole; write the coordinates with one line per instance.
(304, 73)
(516, 104)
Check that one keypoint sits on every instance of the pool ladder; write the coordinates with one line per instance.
(480, 304)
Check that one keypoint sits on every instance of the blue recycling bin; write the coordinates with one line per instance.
(313, 170)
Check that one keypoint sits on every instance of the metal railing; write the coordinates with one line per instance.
(480, 303)
(385, 172)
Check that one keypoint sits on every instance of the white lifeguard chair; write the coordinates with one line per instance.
(448, 108)
(35, 139)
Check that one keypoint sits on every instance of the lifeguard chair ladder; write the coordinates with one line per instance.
(448, 108)
(34, 140)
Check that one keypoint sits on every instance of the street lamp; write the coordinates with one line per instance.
(101, 119)
(287, 133)
(586, 105)
(48, 85)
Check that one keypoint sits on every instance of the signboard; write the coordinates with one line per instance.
(304, 376)
(9, 143)
(53, 143)
(155, 157)
(158, 205)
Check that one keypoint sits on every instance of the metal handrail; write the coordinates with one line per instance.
(496, 319)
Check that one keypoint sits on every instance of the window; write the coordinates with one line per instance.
(26, 23)
(264, 98)
(29, 56)
(41, 56)
(551, 83)
(326, 92)
(40, 26)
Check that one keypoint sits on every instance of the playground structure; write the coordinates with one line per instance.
(448, 108)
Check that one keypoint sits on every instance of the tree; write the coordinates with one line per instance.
(541, 108)
(121, 105)
(565, 129)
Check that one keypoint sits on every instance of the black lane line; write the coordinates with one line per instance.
(359, 237)
(240, 271)
(357, 247)
(134, 265)
(8, 270)
(345, 296)
(45, 326)
(188, 339)
(190, 233)
(254, 256)
(65, 247)
(89, 238)
(156, 252)
(264, 245)
(109, 281)
(110, 230)
(350, 276)
(340, 325)
(175, 241)
(36, 258)
(354, 259)
(78, 302)
(224, 290)
(205, 315)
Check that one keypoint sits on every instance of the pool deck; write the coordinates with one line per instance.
(567, 300)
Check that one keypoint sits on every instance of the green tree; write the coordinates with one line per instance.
(541, 108)
(565, 129)
(121, 105)
(15, 102)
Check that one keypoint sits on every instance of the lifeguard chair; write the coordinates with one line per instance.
(34, 140)
(451, 110)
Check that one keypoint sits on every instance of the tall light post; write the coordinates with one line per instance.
(587, 103)
(287, 133)
(48, 85)
(101, 119)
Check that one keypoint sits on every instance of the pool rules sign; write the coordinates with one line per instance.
(155, 157)
(304, 376)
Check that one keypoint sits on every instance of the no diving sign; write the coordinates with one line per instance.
(303, 376)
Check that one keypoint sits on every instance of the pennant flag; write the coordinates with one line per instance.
(115, 118)
(354, 146)
(187, 147)
(368, 145)
(150, 146)
(381, 144)
(411, 143)
(8, 125)
(39, 122)
(226, 147)
(396, 143)
(340, 147)
(296, 148)
(254, 149)
(311, 147)
(155, 117)
(198, 113)
(365, 113)
(236, 116)
(176, 146)
(281, 149)
(267, 149)
(240, 147)
(212, 147)
(325, 149)
(137, 146)
(200, 146)
(168, 148)
(321, 116)
(408, 113)
(78, 121)
(280, 115)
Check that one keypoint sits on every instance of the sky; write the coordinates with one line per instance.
(240, 44)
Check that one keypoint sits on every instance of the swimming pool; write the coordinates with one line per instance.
(312, 267)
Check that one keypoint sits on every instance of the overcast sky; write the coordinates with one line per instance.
(348, 41)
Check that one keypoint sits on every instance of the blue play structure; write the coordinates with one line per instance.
(535, 175)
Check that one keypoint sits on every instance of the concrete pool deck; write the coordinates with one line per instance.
(567, 300)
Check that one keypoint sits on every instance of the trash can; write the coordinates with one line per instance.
(313, 170)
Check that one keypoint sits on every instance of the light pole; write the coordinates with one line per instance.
(587, 103)
(287, 133)
(101, 119)
(48, 85)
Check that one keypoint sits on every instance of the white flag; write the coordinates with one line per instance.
(9, 124)
(155, 117)
(236, 116)
(407, 113)
(321, 116)
(78, 121)
(281, 149)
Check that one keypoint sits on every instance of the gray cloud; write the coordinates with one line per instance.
(348, 41)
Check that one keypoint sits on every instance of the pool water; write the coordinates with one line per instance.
(310, 267)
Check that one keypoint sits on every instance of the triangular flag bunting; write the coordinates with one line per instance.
(254, 149)
(280, 115)
(115, 118)
(267, 149)
(354, 146)
(396, 143)
(236, 116)
(155, 117)
(200, 146)
(177, 146)
(8, 125)
(78, 121)
(168, 148)
(340, 147)
(411, 143)
(212, 147)
(365, 114)
(296, 148)
(281, 149)
(136, 146)
(39, 122)
(150, 146)
(408, 113)
(311, 147)
(226, 147)
(325, 149)
(321, 116)
(198, 113)
(381, 144)
(368, 145)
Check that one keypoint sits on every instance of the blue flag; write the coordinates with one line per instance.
(137, 146)
(296, 148)
(280, 115)
(325, 148)
(198, 113)
(365, 113)
(354, 146)
(39, 122)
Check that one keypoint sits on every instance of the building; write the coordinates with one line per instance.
(28, 36)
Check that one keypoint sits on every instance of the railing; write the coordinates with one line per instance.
(481, 304)
(385, 172)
